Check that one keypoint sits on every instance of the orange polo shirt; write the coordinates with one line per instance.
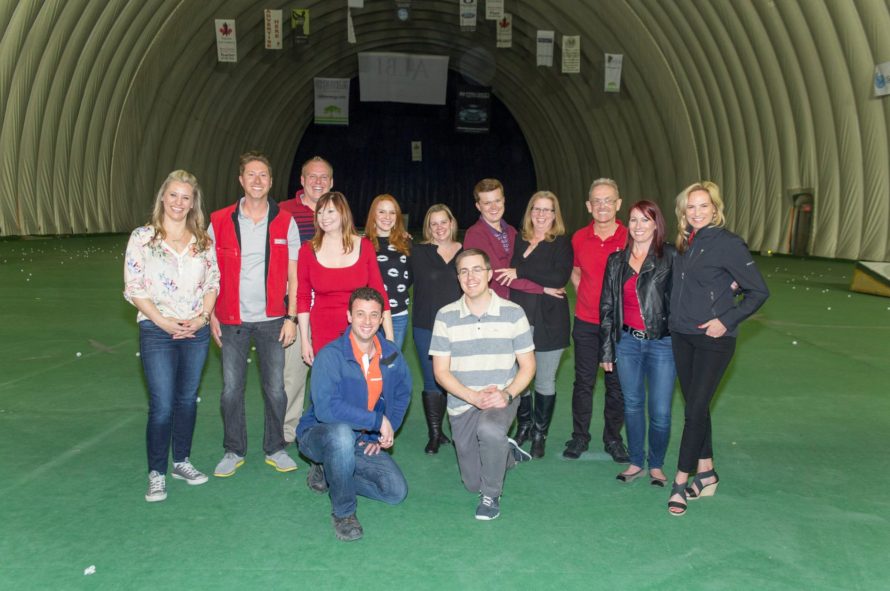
(371, 369)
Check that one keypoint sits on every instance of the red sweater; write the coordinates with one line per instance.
(591, 253)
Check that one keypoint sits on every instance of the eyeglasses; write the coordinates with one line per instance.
(603, 201)
(475, 271)
(541, 210)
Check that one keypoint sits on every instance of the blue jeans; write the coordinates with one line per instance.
(422, 339)
(399, 328)
(641, 363)
(172, 372)
(235, 351)
(348, 471)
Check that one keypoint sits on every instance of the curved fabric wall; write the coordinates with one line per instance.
(101, 98)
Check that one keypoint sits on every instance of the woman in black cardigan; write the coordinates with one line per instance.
(542, 265)
(712, 268)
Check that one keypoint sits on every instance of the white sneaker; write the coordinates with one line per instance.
(185, 471)
(157, 487)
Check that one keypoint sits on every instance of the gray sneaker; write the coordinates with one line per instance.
(519, 454)
(347, 528)
(157, 487)
(228, 464)
(315, 480)
(489, 508)
(281, 461)
(185, 471)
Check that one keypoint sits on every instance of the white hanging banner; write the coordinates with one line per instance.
(273, 20)
(882, 79)
(505, 31)
(332, 101)
(416, 151)
(494, 10)
(299, 23)
(545, 48)
(350, 28)
(571, 54)
(355, 3)
(613, 72)
(402, 77)
(226, 44)
(467, 10)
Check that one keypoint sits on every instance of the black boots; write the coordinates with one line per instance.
(543, 415)
(434, 404)
(523, 419)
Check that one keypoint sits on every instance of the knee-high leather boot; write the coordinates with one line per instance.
(523, 419)
(434, 404)
(543, 415)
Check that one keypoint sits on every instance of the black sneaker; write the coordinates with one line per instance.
(618, 452)
(315, 480)
(347, 529)
(574, 448)
(519, 454)
(489, 508)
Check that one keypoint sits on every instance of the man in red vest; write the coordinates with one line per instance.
(256, 247)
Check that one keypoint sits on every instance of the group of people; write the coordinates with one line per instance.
(489, 318)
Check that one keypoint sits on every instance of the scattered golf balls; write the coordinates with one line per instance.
(78, 353)
(793, 342)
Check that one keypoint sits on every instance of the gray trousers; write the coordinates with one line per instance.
(295, 372)
(483, 454)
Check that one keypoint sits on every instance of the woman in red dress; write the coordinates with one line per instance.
(331, 266)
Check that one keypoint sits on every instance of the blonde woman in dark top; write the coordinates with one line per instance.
(435, 285)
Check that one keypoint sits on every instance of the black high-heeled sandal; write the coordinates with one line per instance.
(704, 490)
(679, 488)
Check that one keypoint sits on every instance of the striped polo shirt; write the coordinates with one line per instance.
(483, 348)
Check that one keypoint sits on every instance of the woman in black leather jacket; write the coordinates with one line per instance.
(635, 338)
(712, 268)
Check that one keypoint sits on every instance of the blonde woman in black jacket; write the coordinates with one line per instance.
(635, 339)
(713, 266)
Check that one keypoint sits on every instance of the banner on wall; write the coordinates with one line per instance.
(272, 21)
(472, 109)
(505, 31)
(882, 79)
(571, 54)
(494, 10)
(613, 72)
(467, 10)
(226, 43)
(545, 48)
(355, 4)
(332, 101)
(299, 24)
(402, 77)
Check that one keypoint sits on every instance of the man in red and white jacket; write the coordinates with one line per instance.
(256, 248)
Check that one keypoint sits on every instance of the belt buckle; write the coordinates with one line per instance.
(638, 334)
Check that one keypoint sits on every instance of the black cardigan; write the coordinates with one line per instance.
(435, 284)
(548, 265)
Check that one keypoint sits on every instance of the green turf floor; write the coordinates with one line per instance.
(801, 426)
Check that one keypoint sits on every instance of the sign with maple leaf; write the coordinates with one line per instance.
(226, 42)
(505, 31)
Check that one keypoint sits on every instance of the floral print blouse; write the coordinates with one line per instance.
(175, 282)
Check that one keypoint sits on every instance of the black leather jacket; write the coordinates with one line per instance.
(653, 293)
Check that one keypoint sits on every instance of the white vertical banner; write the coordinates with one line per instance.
(494, 10)
(226, 43)
(571, 54)
(416, 151)
(882, 79)
(467, 16)
(613, 72)
(355, 3)
(273, 20)
(350, 28)
(505, 31)
(545, 48)
(332, 101)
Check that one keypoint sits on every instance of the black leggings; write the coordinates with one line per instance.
(701, 362)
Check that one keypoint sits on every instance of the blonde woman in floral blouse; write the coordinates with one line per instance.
(172, 278)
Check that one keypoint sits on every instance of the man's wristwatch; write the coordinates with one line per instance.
(509, 397)
(292, 318)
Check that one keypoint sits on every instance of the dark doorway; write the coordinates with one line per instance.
(802, 224)
(373, 155)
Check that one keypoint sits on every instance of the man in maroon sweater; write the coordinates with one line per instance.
(316, 178)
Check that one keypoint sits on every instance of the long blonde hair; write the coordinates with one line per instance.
(398, 236)
(557, 229)
(713, 191)
(194, 220)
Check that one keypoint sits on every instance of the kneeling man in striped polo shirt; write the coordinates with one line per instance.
(484, 357)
